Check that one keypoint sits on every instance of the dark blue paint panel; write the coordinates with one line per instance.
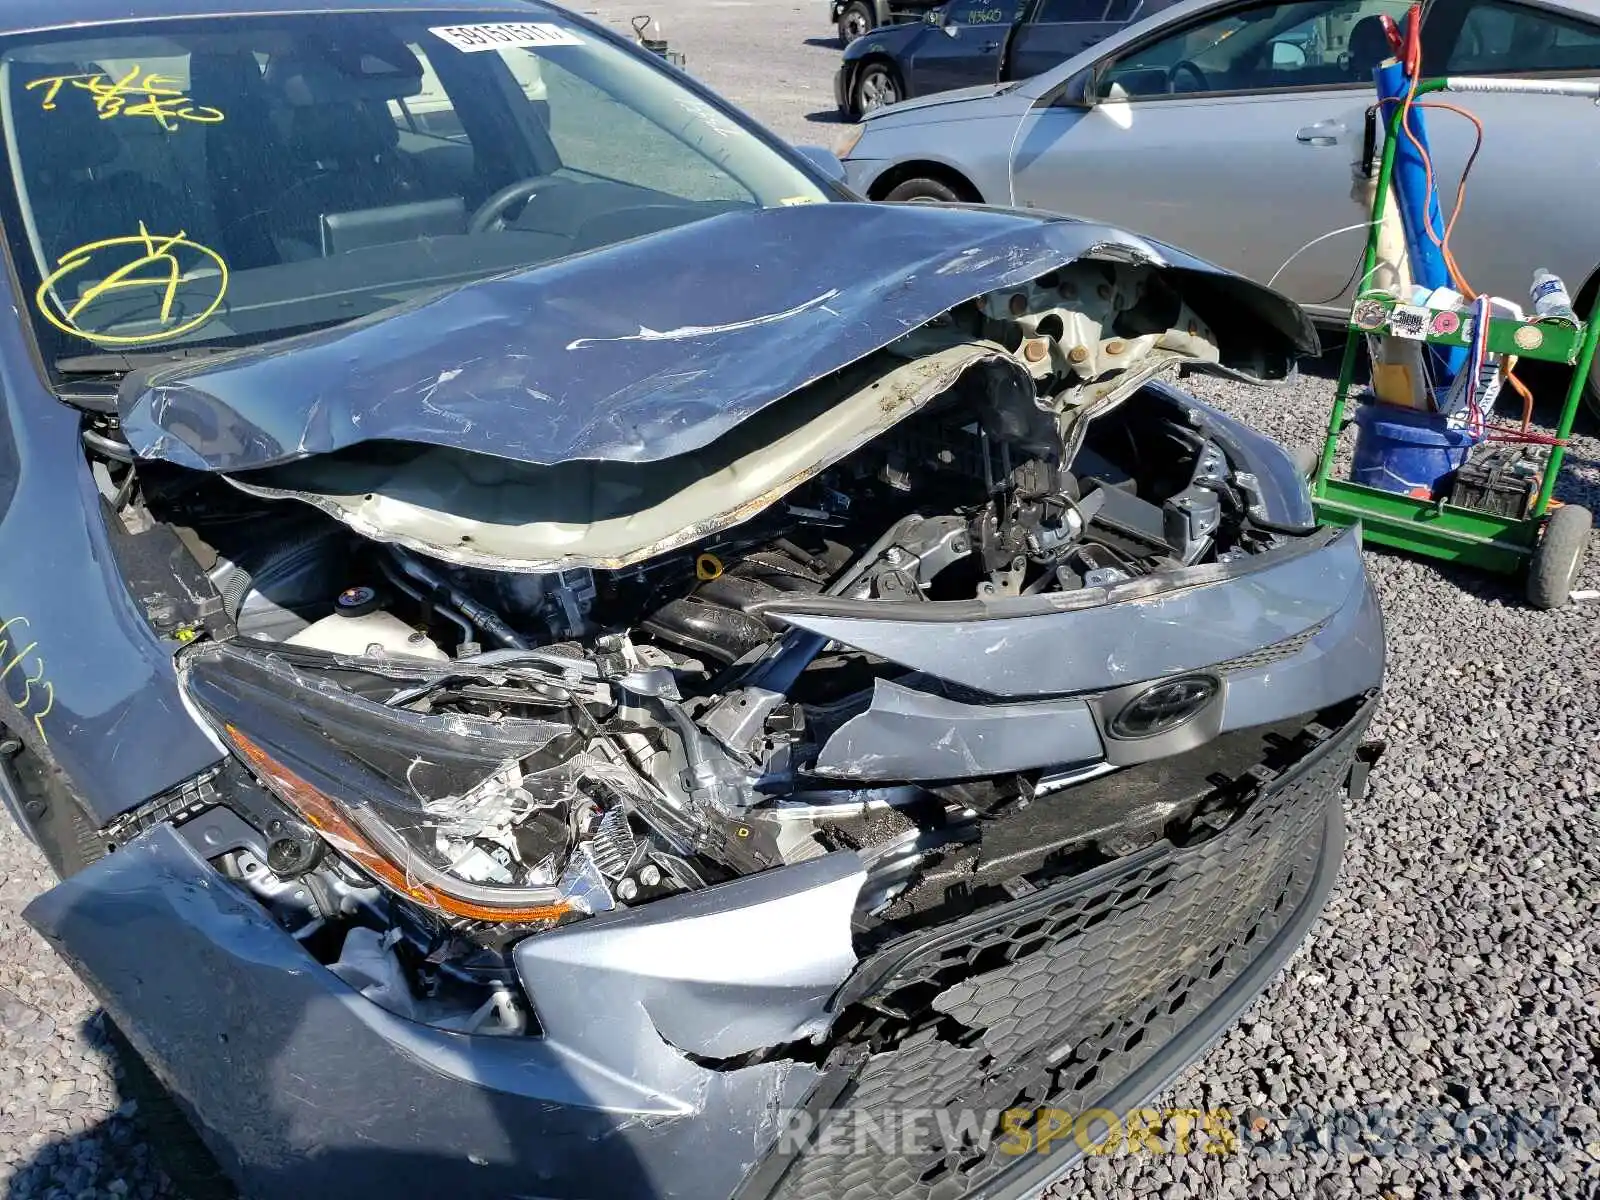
(87, 681)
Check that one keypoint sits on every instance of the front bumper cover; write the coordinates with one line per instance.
(303, 1087)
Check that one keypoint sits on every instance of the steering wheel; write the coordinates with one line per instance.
(491, 214)
(1187, 65)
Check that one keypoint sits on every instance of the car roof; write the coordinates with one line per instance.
(27, 16)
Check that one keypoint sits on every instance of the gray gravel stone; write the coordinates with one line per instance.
(1455, 973)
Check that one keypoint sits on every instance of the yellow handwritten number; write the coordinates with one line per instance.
(157, 270)
(139, 93)
(36, 689)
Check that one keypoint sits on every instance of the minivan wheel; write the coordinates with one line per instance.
(929, 191)
(877, 86)
(855, 21)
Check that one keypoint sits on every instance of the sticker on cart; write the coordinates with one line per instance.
(1528, 337)
(1409, 321)
(1369, 314)
(504, 35)
(1445, 323)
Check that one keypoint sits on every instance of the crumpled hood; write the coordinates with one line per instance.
(653, 348)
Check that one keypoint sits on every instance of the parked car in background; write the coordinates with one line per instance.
(856, 18)
(1236, 131)
(968, 42)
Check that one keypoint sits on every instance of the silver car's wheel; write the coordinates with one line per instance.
(855, 21)
(877, 87)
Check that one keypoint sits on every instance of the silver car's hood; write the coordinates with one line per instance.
(999, 99)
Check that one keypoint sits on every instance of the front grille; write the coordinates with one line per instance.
(1051, 1000)
(1277, 652)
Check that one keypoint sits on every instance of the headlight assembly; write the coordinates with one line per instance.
(470, 817)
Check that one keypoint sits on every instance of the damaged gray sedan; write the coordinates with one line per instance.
(562, 679)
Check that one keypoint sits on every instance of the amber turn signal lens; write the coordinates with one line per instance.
(328, 818)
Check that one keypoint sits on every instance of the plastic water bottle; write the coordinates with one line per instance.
(1550, 299)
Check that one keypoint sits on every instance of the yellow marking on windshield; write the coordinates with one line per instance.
(165, 279)
(139, 93)
(38, 693)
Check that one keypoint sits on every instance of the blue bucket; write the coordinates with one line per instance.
(1406, 451)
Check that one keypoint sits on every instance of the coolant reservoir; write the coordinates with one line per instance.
(361, 633)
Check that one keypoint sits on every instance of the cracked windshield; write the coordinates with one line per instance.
(195, 182)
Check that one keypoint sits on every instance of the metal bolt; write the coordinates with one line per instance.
(650, 875)
(627, 890)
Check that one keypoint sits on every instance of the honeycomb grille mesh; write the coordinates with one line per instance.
(1057, 997)
(1277, 652)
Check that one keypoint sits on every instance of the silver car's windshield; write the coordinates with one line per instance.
(232, 180)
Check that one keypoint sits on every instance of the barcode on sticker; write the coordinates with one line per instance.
(499, 36)
(1407, 321)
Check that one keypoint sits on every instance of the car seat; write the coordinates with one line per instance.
(246, 164)
(342, 156)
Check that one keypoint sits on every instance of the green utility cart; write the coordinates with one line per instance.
(1547, 540)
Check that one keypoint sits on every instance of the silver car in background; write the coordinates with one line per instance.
(1241, 132)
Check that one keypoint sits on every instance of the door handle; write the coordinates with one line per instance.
(988, 46)
(1323, 133)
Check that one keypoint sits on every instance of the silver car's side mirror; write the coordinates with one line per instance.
(1078, 91)
(824, 160)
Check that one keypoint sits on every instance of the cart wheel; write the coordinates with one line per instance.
(1558, 556)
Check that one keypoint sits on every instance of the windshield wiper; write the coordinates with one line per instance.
(110, 362)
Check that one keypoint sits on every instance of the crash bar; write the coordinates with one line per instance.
(1587, 88)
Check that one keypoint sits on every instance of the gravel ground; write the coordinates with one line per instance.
(1438, 1035)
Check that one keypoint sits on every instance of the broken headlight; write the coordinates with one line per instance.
(473, 818)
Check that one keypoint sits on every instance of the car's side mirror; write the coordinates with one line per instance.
(1287, 55)
(824, 160)
(1077, 91)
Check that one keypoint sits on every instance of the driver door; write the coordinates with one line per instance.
(1234, 137)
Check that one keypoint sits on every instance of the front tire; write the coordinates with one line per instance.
(1559, 556)
(857, 20)
(877, 86)
(928, 191)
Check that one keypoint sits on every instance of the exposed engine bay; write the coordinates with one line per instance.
(499, 696)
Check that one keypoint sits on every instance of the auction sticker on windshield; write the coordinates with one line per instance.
(500, 36)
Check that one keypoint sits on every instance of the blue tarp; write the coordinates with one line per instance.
(1414, 195)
